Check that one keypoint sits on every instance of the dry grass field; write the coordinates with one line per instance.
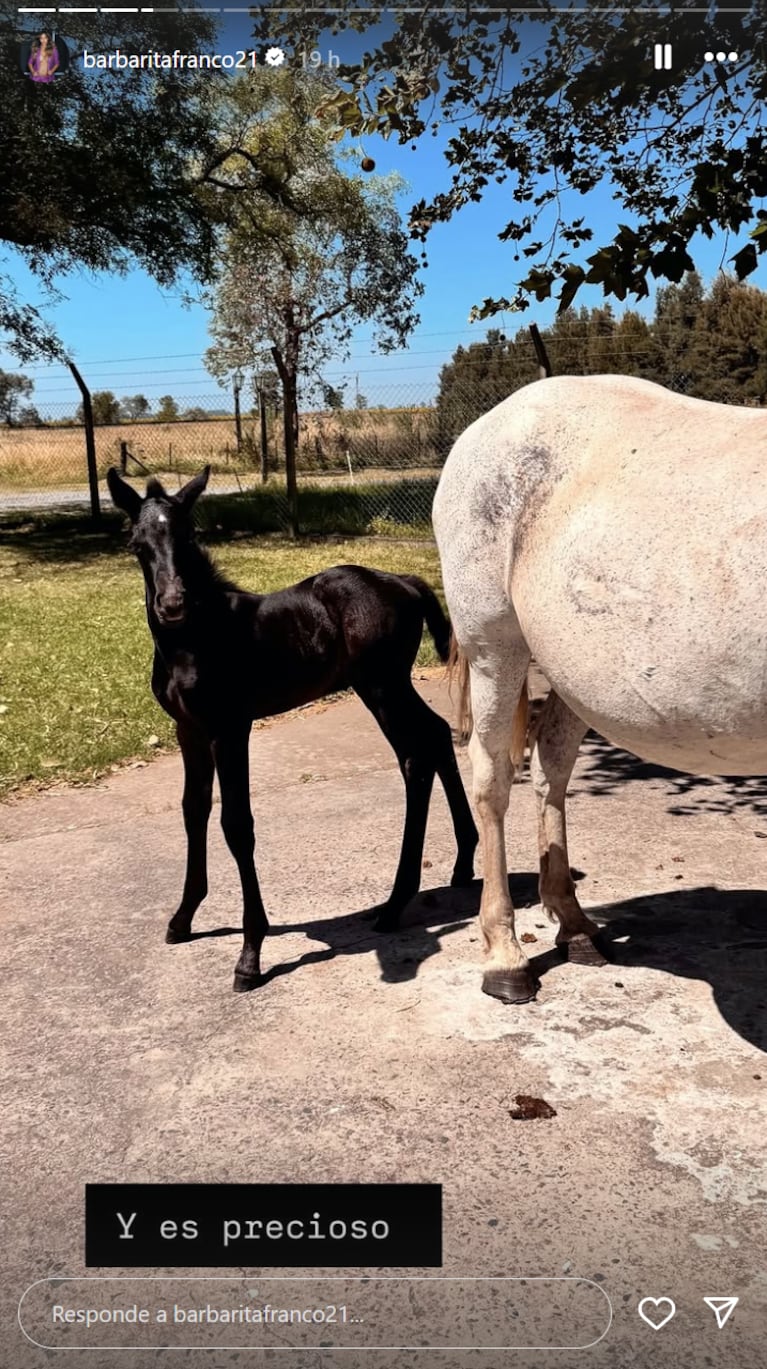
(44, 458)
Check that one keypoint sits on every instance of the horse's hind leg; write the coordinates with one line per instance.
(553, 754)
(196, 805)
(497, 676)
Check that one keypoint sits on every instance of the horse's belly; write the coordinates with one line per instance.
(682, 746)
(684, 691)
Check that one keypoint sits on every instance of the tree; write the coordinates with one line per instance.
(195, 414)
(113, 168)
(135, 406)
(553, 104)
(167, 411)
(360, 401)
(732, 343)
(478, 377)
(13, 388)
(676, 334)
(323, 251)
(713, 346)
(333, 398)
(29, 417)
(106, 409)
(119, 184)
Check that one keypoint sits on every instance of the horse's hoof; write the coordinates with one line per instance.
(174, 936)
(243, 983)
(511, 986)
(586, 950)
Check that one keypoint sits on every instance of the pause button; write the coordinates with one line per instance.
(662, 56)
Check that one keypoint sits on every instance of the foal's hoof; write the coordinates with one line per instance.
(586, 950)
(386, 917)
(511, 986)
(243, 983)
(174, 936)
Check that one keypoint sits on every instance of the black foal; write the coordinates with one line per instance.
(223, 657)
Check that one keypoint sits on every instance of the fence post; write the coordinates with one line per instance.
(544, 365)
(123, 457)
(264, 440)
(237, 415)
(90, 443)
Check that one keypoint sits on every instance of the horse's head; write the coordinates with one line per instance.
(162, 536)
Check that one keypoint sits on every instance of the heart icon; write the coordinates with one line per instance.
(656, 1311)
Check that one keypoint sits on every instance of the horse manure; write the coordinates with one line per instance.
(528, 1108)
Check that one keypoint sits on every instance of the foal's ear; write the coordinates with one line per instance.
(190, 493)
(123, 495)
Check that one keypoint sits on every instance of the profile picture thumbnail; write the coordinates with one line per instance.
(44, 57)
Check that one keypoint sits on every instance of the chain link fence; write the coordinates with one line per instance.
(366, 469)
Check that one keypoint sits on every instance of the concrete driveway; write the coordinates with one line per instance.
(375, 1059)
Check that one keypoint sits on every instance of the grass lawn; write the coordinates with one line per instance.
(75, 649)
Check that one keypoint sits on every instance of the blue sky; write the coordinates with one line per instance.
(130, 336)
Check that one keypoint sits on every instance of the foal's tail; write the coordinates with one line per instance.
(436, 619)
(458, 671)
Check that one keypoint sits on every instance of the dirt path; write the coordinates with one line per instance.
(366, 1058)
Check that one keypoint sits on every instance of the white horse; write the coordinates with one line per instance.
(617, 533)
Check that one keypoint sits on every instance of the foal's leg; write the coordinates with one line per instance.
(497, 677)
(231, 757)
(397, 709)
(552, 757)
(196, 805)
(466, 834)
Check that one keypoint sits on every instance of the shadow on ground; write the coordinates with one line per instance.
(718, 936)
(605, 768)
(62, 539)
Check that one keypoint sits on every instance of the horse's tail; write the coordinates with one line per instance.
(437, 620)
(519, 729)
(458, 672)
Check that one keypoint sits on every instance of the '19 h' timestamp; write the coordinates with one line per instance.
(312, 59)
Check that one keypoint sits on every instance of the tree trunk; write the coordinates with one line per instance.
(287, 370)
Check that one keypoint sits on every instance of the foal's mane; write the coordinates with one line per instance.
(208, 572)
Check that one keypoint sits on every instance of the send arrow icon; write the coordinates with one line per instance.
(722, 1309)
